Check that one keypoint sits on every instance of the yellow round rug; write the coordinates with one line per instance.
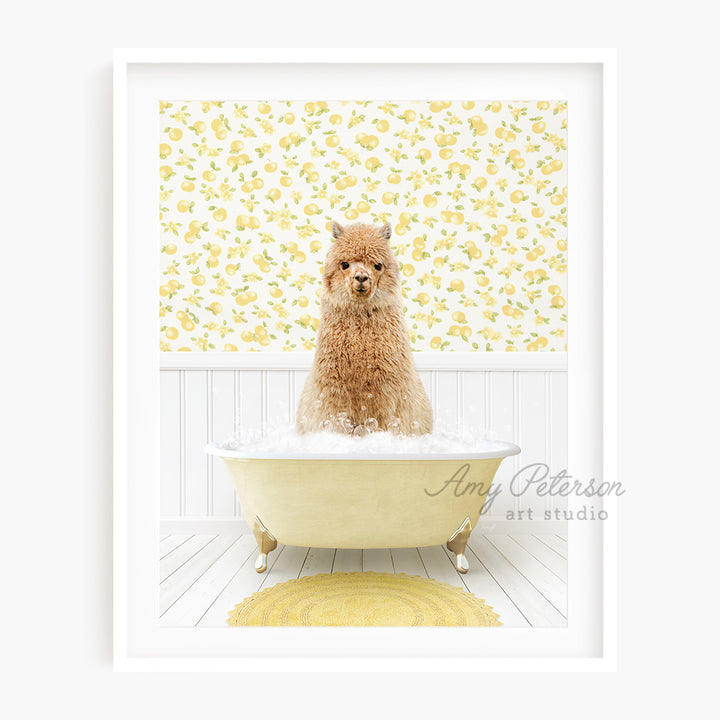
(364, 599)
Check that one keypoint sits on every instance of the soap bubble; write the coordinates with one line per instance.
(369, 395)
(360, 431)
(363, 407)
(327, 424)
(414, 425)
(371, 424)
(394, 424)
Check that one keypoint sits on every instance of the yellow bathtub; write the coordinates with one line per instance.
(378, 501)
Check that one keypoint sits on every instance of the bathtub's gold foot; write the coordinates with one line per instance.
(266, 543)
(457, 544)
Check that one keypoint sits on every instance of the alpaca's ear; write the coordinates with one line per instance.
(337, 230)
(386, 231)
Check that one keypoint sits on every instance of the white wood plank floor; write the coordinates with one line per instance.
(522, 577)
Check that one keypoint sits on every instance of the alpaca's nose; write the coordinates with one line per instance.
(361, 277)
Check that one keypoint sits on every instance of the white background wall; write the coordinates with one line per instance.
(56, 385)
(528, 407)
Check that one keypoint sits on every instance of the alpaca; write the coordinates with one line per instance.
(363, 375)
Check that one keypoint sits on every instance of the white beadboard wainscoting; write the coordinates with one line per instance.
(206, 397)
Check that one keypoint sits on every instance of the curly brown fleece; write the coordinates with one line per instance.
(363, 366)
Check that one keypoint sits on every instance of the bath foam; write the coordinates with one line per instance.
(287, 441)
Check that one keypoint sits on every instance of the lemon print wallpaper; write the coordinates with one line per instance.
(476, 193)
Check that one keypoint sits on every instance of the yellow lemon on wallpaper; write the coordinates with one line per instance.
(423, 298)
(541, 342)
(435, 342)
(496, 240)
(264, 108)
(466, 332)
(195, 226)
(335, 119)
(439, 262)
(540, 272)
(311, 209)
(165, 149)
(522, 232)
(529, 276)
(230, 269)
(310, 107)
(170, 249)
(509, 289)
(175, 134)
(286, 181)
(172, 333)
(424, 154)
(313, 176)
(360, 138)
(259, 259)
(315, 245)
(454, 167)
(554, 290)
(242, 220)
(276, 292)
(537, 212)
(388, 197)
(561, 244)
(516, 196)
(199, 126)
(315, 323)
(518, 313)
(480, 183)
(450, 139)
(187, 186)
(408, 270)
(538, 126)
(500, 133)
(558, 301)
(220, 214)
(164, 290)
(430, 201)
(372, 141)
(530, 256)
(543, 105)
(514, 153)
(188, 325)
(418, 242)
(332, 141)
(507, 310)
(491, 169)
(436, 106)
(556, 165)
(502, 230)
(181, 315)
(229, 347)
(457, 218)
(216, 124)
(405, 218)
(468, 104)
(236, 146)
(440, 139)
(260, 331)
(394, 178)
(363, 207)
(270, 167)
(258, 183)
(190, 237)
(198, 280)
(557, 199)
(519, 163)
(457, 285)
(284, 142)
(221, 134)
(382, 125)
(454, 330)
(409, 115)
(304, 319)
(183, 206)
(274, 194)
(351, 214)
(165, 171)
(458, 316)
(213, 262)
(496, 106)
(209, 175)
(446, 153)
(300, 256)
(289, 118)
(242, 299)
(303, 301)
(215, 250)
(264, 340)
(372, 163)
(510, 136)
(246, 187)
(246, 336)
(417, 254)
(216, 307)
(483, 280)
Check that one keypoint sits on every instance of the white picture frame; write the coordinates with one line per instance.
(587, 79)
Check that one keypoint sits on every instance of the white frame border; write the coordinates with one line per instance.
(123, 58)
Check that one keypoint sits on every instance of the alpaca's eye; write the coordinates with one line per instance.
(378, 267)
(344, 265)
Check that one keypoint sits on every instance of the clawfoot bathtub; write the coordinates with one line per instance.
(378, 501)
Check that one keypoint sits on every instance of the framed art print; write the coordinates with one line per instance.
(464, 200)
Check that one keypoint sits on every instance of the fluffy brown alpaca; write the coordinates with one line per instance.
(363, 366)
